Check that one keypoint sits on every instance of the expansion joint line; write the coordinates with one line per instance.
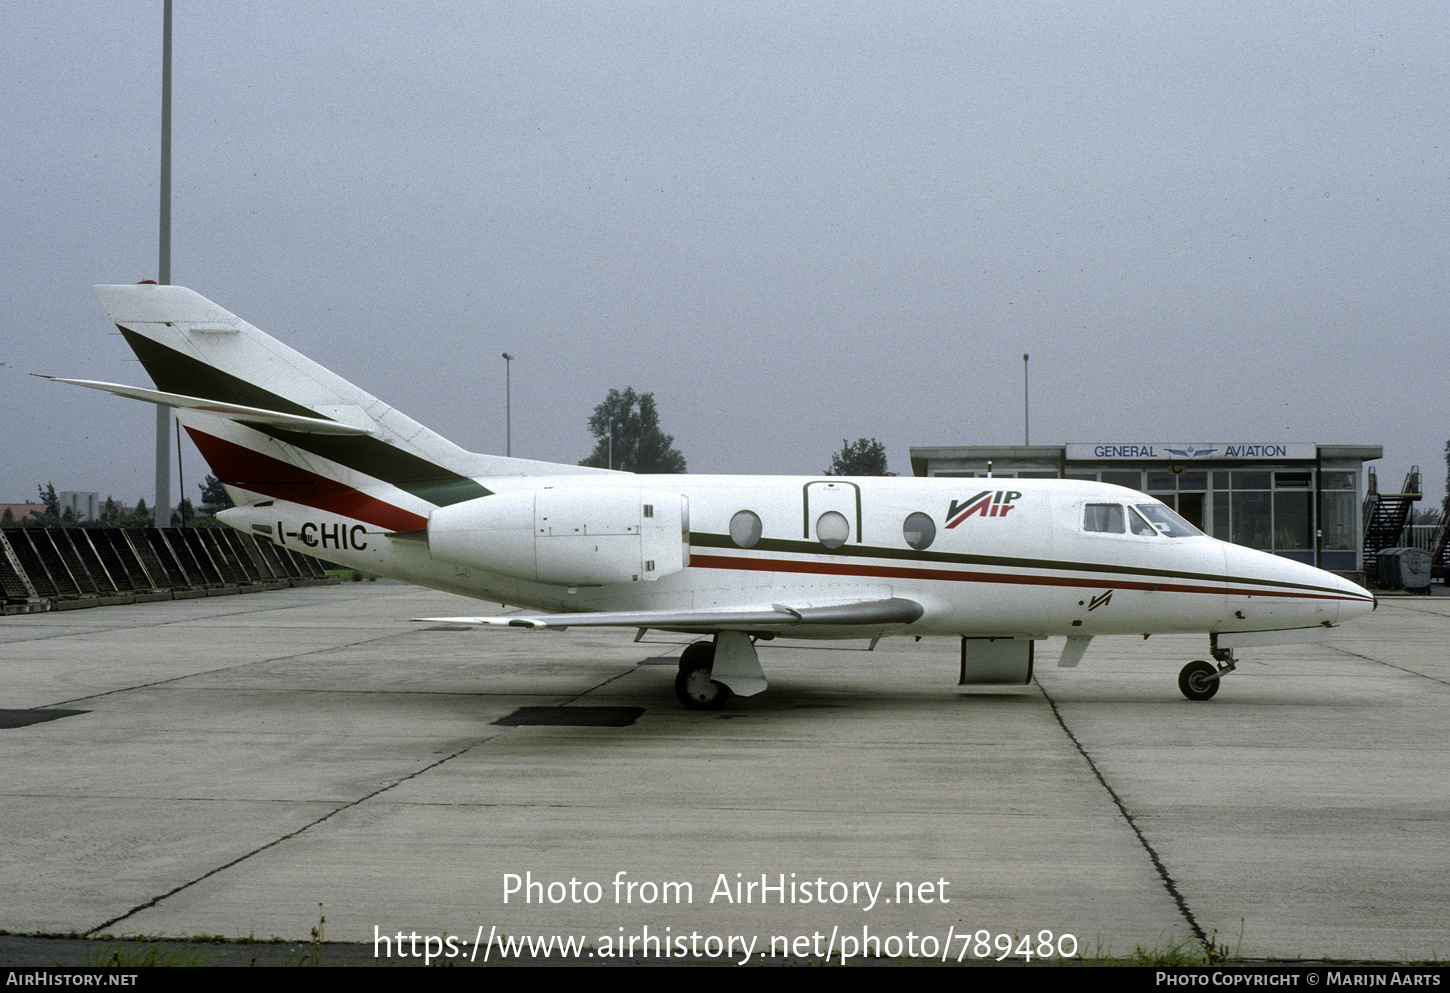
(1168, 882)
(599, 685)
(206, 672)
(1389, 665)
(277, 841)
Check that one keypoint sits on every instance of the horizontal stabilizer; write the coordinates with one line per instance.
(895, 610)
(233, 411)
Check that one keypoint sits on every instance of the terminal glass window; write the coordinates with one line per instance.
(1293, 520)
(1338, 517)
(1220, 512)
(1253, 519)
(1274, 511)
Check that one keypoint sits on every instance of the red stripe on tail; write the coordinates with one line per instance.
(237, 465)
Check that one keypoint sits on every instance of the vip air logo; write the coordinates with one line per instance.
(986, 504)
(1100, 601)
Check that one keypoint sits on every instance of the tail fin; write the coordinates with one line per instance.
(273, 423)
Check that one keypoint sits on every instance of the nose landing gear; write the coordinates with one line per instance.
(1199, 680)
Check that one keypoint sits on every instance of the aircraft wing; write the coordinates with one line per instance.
(893, 610)
(236, 411)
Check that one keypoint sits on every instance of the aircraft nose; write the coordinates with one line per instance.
(1357, 601)
(1276, 592)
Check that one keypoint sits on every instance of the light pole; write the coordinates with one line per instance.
(1026, 423)
(163, 271)
(508, 404)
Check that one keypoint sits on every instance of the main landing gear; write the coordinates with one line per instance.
(1199, 680)
(694, 687)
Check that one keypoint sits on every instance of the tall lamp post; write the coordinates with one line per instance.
(163, 271)
(1026, 410)
(508, 404)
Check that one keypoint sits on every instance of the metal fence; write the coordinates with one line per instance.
(1418, 536)
(60, 568)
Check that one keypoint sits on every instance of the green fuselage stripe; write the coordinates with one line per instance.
(812, 548)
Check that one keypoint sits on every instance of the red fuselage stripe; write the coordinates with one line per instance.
(942, 575)
(239, 466)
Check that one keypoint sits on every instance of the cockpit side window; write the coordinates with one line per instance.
(1103, 517)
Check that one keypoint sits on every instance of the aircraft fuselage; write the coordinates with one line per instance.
(992, 557)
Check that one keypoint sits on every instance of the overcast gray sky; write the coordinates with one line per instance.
(793, 222)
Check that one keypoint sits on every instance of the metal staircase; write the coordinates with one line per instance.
(1386, 514)
(1440, 550)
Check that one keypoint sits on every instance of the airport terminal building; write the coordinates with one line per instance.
(1301, 500)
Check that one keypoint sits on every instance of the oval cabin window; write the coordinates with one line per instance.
(832, 529)
(745, 529)
(919, 531)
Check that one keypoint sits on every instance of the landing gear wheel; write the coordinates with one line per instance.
(1193, 681)
(694, 687)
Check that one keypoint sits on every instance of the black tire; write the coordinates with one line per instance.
(697, 654)
(693, 685)
(1192, 681)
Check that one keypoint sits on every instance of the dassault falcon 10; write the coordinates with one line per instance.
(316, 464)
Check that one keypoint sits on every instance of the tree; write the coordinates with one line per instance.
(214, 497)
(639, 445)
(51, 501)
(862, 457)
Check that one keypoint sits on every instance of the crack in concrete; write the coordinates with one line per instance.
(1168, 882)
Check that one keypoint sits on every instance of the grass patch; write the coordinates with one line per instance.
(352, 575)
(1183, 953)
(144, 955)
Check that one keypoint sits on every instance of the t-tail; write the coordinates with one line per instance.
(273, 424)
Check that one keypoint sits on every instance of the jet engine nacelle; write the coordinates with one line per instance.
(567, 535)
(996, 662)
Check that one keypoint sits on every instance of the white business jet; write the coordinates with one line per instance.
(317, 465)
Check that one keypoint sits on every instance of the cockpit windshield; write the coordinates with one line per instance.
(1139, 526)
(1147, 520)
(1169, 524)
